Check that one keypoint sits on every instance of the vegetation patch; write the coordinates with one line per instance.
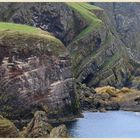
(23, 36)
(84, 9)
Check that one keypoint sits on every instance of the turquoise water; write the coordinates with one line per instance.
(112, 124)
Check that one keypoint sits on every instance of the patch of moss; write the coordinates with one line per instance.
(110, 61)
(90, 7)
(4, 122)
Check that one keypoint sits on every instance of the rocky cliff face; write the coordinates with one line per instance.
(99, 56)
(57, 18)
(98, 47)
(38, 127)
(124, 18)
(91, 34)
(8, 129)
(35, 74)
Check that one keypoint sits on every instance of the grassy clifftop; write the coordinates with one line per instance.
(85, 10)
(20, 36)
(18, 27)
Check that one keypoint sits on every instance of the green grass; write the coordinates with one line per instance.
(18, 27)
(25, 29)
(22, 28)
(22, 36)
(85, 10)
(93, 55)
(93, 23)
(90, 7)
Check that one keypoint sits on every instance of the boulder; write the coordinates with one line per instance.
(102, 110)
(38, 127)
(7, 129)
(59, 132)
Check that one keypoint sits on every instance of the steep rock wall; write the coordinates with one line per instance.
(124, 18)
(100, 57)
(56, 18)
(35, 74)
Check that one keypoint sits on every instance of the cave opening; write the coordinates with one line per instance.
(98, 42)
(88, 79)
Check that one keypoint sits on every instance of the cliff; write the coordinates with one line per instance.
(68, 43)
(124, 18)
(99, 55)
(35, 74)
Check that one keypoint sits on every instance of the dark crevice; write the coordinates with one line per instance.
(98, 42)
(88, 79)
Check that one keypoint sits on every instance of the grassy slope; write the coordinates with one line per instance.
(24, 29)
(22, 33)
(17, 27)
(85, 10)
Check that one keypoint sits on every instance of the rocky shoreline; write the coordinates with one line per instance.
(100, 99)
(37, 128)
(67, 58)
(108, 98)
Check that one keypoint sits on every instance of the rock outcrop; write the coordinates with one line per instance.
(59, 132)
(108, 98)
(36, 71)
(35, 75)
(38, 126)
(124, 18)
(7, 129)
(99, 56)
(97, 100)
(57, 18)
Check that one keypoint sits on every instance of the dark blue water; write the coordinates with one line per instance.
(112, 124)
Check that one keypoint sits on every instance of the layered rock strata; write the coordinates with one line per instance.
(35, 74)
